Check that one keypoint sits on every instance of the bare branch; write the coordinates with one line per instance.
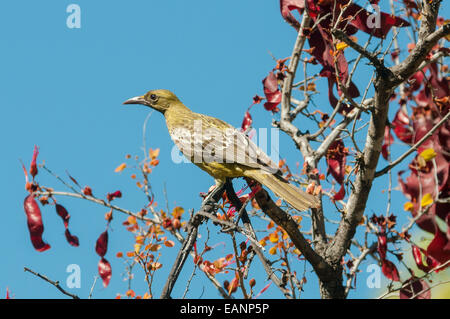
(414, 147)
(54, 283)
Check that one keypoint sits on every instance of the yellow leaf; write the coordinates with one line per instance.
(426, 200)
(262, 242)
(273, 237)
(408, 206)
(428, 154)
(341, 46)
(177, 212)
(137, 248)
(273, 250)
(120, 168)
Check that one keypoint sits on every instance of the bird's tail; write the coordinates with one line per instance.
(299, 199)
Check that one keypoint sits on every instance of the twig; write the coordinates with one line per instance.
(414, 147)
(92, 288)
(54, 283)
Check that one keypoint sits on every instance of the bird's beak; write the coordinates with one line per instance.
(137, 100)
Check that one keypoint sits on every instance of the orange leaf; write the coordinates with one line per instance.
(153, 153)
(169, 243)
(131, 220)
(154, 162)
(120, 168)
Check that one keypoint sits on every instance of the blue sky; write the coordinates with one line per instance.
(63, 89)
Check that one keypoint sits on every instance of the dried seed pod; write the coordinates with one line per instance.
(35, 225)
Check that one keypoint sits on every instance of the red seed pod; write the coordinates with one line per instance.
(382, 245)
(62, 212)
(104, 270)
(252, 282)
(72, 239)
(101, 245)
(35, 225)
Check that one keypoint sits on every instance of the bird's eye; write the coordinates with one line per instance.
(153, 97)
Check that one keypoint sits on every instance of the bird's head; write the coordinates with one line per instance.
(159, 100)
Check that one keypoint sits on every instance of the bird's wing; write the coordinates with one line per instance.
(223, 143)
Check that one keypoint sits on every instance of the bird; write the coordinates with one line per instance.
(220, 149)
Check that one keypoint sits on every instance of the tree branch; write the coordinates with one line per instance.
(284, 220)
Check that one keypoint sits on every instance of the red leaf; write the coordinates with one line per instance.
(417, 254)
(286, 6)
(388, 140)
(271, 91)
(402, 127)
(415, 289)
(33, 166)
(35, 225)
(340, 195)
(361, 18)
(101, 245)
(336, 159)
(71, 239)
(389, 270)
(439, 248)
(104, 270)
